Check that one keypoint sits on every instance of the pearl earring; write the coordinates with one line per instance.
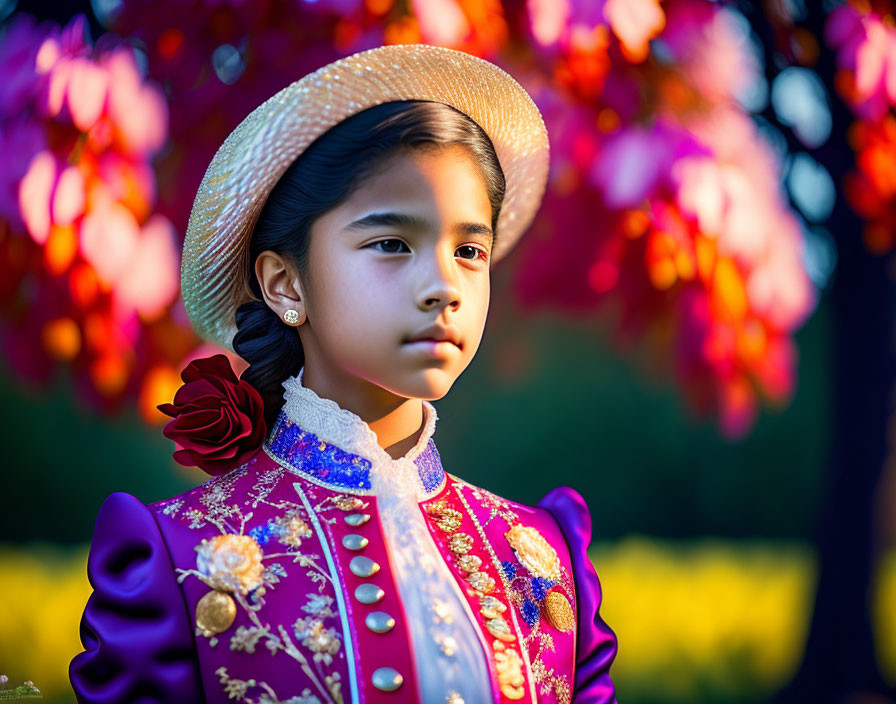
(291, 317)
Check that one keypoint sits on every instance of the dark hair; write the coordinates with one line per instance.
(321, 178)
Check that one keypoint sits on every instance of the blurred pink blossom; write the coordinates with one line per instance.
(636, 160)
(77, 178)
(866, 46)
(757, 225)
(35, 191)
(442, 22)
(712, 49)
(151, 280)
(635, 23)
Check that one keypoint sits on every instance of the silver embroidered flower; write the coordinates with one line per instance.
(323, 642)
(246, 639)
(318, 604)
(306, 698)
(292, 528)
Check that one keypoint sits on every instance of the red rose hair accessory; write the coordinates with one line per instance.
(218, 419)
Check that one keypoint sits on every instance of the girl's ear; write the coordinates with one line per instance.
(280, 284)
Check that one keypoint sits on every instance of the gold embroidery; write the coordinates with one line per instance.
(237, 689)
(236, 563)
(215, 613)
(559, 611)
(491, 607)
(499, 628)
(481, 582)
(293, 529)
(496, 505)
(510, 671)
(460, 543)
(449, 520)
(534, 552)
(344, 502)
(540, 559)
(230, 563)
(469, 563)
(507, 658)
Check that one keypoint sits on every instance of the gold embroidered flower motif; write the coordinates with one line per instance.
(323, 642)
(460, 543)
(534, 552)
(293, 529)
(449, 520)
(230, 562)
(345, 502)
(510, 671)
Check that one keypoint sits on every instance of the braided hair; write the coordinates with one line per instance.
(321, 178)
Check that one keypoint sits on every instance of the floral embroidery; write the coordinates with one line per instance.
(172, 507)
(510, 675)
(245, 565)
(230, 563)
(291, 529)
(508, 663)
(237, 689)
(344, 502)
(496, 505)
(528, 583)
(323, 642)
(534, 552)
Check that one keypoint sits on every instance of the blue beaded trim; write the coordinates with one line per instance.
(429, 466)
(531, 614)
(330, 464)
(509, 570)
(540, 587)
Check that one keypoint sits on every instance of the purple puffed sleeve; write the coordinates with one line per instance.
(596, 642)
(135, 628)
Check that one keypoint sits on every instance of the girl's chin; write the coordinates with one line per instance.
(430, 383)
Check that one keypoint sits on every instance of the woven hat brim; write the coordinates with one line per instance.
(215, 266)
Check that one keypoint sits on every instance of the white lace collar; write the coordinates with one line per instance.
(418, 473)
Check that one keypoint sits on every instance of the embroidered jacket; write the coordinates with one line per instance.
(324, 571)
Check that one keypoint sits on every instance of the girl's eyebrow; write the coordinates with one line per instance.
(405, 220)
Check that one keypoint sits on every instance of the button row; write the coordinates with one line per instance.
(386, 679)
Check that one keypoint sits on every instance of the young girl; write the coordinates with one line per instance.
(341, 243)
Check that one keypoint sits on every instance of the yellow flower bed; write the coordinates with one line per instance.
(883, 612)
(705, 620)
(696, 620)
(43, 591)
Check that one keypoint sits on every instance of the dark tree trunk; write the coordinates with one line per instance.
(839, 661)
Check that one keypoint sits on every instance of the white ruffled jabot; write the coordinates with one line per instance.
(346, 430)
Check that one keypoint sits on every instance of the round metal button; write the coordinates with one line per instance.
(353, 541)
(362, 566)
(368, 593)
(379, 622)
(357, 519)
(387, 679)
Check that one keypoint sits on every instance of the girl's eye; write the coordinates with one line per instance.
(393, 246)
(477, 252)
(389, 248)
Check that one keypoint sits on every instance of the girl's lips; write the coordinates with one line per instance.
(433, 347)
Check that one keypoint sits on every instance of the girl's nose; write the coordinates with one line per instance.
(441, 288)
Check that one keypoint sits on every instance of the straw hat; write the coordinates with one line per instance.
(216, 267)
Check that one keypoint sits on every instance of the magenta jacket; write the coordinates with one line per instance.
(323, 571)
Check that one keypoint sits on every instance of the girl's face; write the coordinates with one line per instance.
(409, 250)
